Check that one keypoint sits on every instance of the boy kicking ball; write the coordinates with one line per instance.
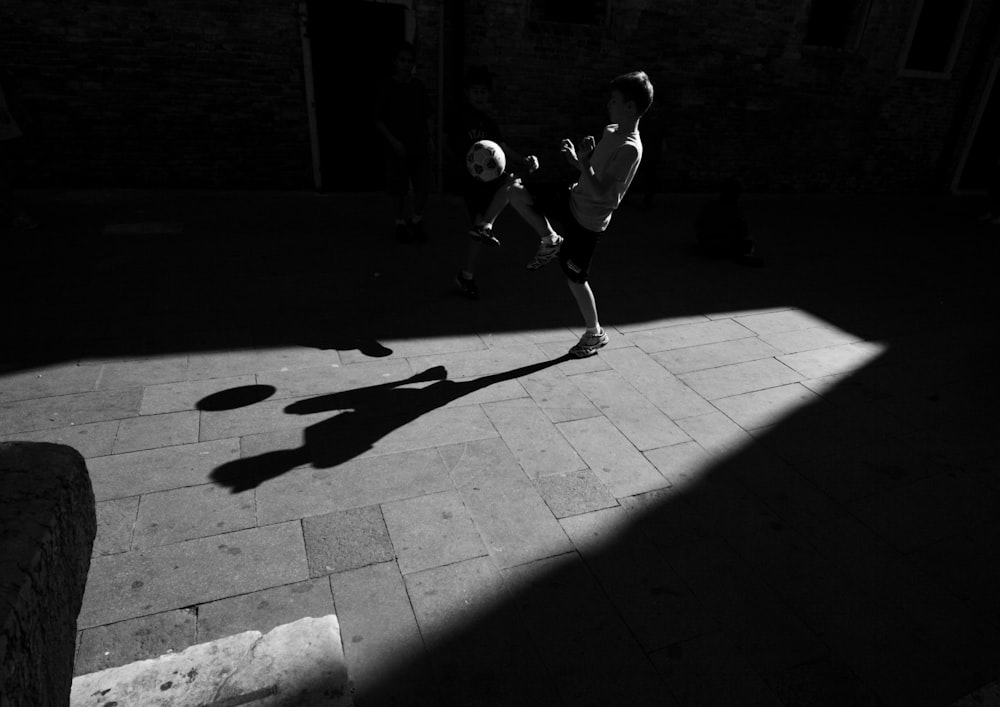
(584, 209)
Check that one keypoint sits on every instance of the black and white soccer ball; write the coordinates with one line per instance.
(485, 160)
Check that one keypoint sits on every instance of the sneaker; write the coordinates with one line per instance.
(484, 234)
(418, 231)
(468, 285)
(403, 234)
(545, 254)
(588, 344)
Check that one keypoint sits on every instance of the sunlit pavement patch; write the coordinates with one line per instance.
(298, 664)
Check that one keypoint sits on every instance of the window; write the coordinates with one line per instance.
(837, 23)
(584, 12)
(935, 36)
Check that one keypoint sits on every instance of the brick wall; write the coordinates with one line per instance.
(171, 93)
(737, 92)
(211, 93)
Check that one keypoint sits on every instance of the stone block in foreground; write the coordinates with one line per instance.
(300, 664)
(47, 527)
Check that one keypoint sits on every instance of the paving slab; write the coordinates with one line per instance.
(755, 618)
(557, 396)
(651, 598)
(191, 512)
(588, 650)
(115, 525)
(821, 337)
(481, 362)
(833, 359)
(772, 323)
(681, 464)
(68, 410)
(48, 381)
(135, 473)
(716, 433)
(536, 443)
(346, 540)
(574, 492)
(675, 337)
(125, 642)
(631, 412)
(185, 395)
(382, 641)
(510, 515)
(156, 431)
(724, 353)
(480, 649)
(301, 663)
(149, 371)
(94, 439)
(762, 408)
(265, 416)
(726, 381)
(667, 392)
(265, 609)
(313, 380)
(432, 530)
(618, 465)
(140, 583)
(362, 482)
(709, 670)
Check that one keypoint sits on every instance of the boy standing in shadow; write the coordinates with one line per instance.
(403, 117)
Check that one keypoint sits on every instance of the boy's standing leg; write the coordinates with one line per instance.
(575, 258)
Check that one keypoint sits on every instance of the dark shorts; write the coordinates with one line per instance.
(478, 194)
(580, 244)
(400, 173)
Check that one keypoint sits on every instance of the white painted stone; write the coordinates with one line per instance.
(299, 664)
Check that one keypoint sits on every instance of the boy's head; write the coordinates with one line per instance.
(404, 59)
(478, 86)
(635, 91)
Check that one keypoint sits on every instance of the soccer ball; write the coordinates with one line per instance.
(485, 160)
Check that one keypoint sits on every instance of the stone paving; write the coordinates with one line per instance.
(775, 486)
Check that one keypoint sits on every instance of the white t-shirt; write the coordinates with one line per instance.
(591, 211)
(9, 129)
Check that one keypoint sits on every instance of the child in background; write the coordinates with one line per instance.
(403, 117)
(721, 229)
(485, 201)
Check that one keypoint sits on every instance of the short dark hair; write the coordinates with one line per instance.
(478, 76)
(635, 86)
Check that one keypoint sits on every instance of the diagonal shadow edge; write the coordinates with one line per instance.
(813, 607)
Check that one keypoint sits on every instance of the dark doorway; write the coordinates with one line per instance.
(984, 149)
(352, 43)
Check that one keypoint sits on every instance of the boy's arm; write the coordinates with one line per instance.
(514, 157)
(616, 171)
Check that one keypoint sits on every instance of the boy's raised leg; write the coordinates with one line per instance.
(551, 241)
